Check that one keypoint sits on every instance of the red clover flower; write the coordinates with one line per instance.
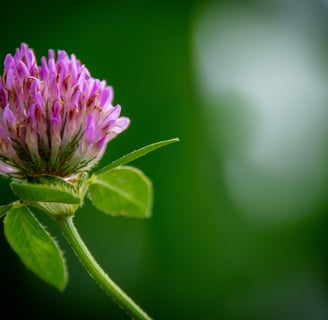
(55, 119)
(55, 123)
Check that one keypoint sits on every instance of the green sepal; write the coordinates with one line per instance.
(32, 192)
(54, 195)
(136, 154)
(36, 248)
(123, 191)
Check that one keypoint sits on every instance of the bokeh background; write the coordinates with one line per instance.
(240, 220)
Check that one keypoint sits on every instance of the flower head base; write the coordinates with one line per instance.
(55, 119)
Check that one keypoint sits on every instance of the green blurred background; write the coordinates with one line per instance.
(240, 219)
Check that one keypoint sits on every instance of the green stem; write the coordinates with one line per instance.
(97, 273)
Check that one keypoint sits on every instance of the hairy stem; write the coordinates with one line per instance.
(97, 273)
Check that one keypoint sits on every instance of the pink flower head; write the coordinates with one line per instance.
(55, 119)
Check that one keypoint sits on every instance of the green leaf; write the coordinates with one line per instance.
(4, 209)
(124, 191)
(136, 154)
(33, 192)
(36, 248)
